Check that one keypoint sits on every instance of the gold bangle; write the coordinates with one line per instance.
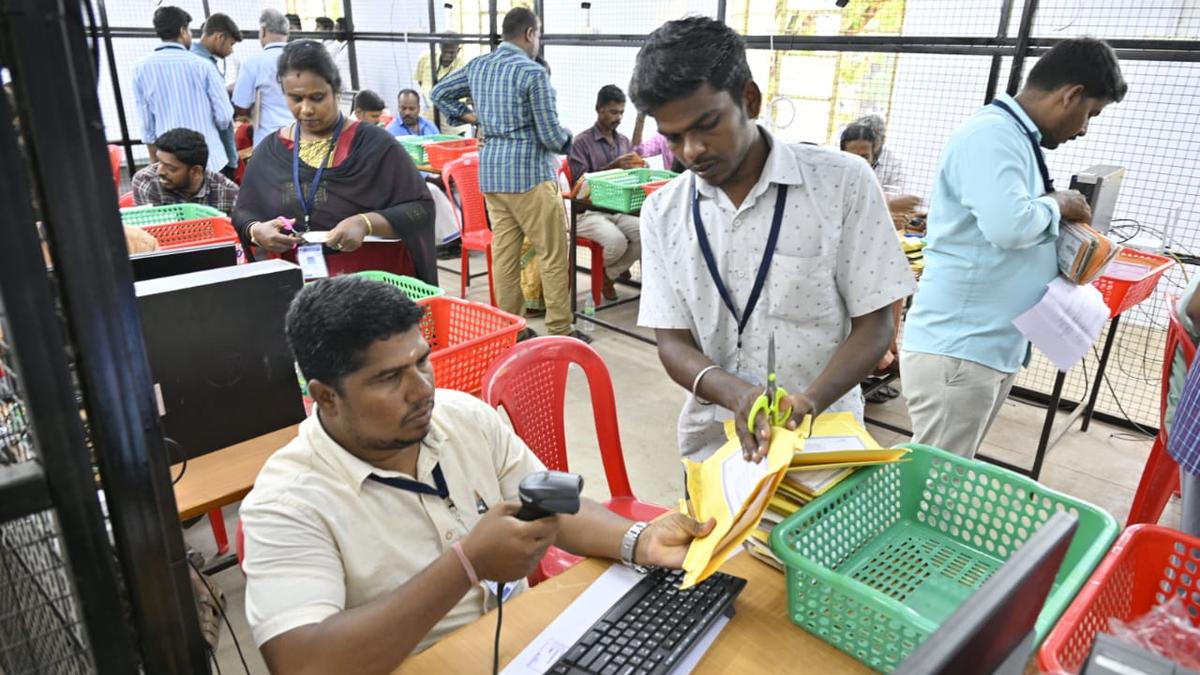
(367, 220)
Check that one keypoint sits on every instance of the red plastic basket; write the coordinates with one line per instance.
(441, 154)
(188, 233)
(1121, 294)
(653, 185)
(466, 338)
(1145, 566)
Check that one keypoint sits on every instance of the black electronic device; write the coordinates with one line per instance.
(222, 369)
(1111, 656)
(545, 493)
(1100, 185)
(993, 631)
(653, 626)
(156, 264)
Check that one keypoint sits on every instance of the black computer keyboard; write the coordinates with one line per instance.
(651, 627)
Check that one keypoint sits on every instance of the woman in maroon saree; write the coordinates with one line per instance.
(349, 179)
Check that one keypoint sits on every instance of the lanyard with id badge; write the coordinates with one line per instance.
(311, 256)
(742, 318)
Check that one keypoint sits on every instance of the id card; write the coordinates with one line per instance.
(312, 262)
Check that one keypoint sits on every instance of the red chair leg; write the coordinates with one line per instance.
(491, 284)
(1159, 479)
(217, 520)
(465, 275)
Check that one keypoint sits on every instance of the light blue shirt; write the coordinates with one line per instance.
(990, 243)
(176, 90)
(260, 73)
(227, 133)
(397, 128)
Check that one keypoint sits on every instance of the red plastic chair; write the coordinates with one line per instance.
(597, 263)
(462, 175)
(114, 159)
(1160, 477)
(126, 200)
(530, 382)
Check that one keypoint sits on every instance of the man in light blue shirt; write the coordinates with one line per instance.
(259, 79)
(408, 121)
(217, 39)
(992, 226)
(175, 90)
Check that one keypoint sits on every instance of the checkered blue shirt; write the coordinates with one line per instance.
(514, 102)
(1183, 441)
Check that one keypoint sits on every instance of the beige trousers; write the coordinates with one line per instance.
(952, 402)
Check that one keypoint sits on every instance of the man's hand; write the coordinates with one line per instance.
(665, 542)
(502, 548)
(270, 235)
(138, 240)
(756, 442)
(470, 118)
(629, 160)
(348, 235)
(1072, 205)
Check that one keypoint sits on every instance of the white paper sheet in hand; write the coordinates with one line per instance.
(1065, 323)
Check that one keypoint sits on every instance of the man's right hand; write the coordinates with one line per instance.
(502, 548)
(1072, 205)
(270, 235)
(630, 160)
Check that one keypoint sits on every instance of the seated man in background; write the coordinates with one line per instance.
(862, 140)
(408, 120)
(887, 164)
(598, 149)
(367, 537)
(179, 175)
(368, 107)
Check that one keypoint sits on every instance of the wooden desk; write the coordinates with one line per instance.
(760, 638)
(223, 477)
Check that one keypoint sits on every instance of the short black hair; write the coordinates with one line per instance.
(332, 322)
(188, 146)
(222, 23)
(681, 56)
(293, 21)
(324, 23)
(858, 132)
(368, 100)
(609, 93)
(309, 56)
(169, 20)
(517, 21)
(408, 92)
(1085, 61)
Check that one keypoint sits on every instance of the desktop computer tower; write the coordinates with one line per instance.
(1100, 184)
(222, 369)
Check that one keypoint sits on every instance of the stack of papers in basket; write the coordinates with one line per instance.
(583, 190)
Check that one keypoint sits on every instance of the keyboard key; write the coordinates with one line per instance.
(601, 662)
(591, 638)
(575, 653)
(561, 669)
(593, 654)
(610, 669)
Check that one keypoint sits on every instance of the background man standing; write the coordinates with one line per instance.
(258, 81)
(219, 36)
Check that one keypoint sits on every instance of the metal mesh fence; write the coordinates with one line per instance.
(15, 443)
(624, 17)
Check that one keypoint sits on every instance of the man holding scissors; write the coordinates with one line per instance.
(761, 241)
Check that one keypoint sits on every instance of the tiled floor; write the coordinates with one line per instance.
(1101, 466)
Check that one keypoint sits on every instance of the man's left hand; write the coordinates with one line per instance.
(665, 541)
(348, 235)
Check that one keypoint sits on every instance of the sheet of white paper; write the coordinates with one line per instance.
(321, 236)
(833, 443)
(1126, 270)
(1065, 323)
(557, 638)
(738, 480)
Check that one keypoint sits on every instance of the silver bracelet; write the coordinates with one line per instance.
(696, 383)
(629, 545)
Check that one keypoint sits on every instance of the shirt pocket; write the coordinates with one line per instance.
(803, 289)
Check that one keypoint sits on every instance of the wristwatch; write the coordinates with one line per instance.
(629, 545)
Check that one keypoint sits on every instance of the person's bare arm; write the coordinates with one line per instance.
(638, 127)
(1193, 309)
(153, 150)
(596, 532)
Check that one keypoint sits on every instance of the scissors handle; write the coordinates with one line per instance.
(776, 416)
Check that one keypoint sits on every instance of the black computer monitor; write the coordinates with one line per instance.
(993, 631)
(158, 264)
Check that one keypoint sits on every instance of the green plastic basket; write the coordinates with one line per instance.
(415, 289)
(875, 565)
(415, 145)
(623, 192)
(171, 213)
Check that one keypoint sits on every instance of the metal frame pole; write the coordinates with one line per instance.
(115, 79)
(352, 51)
(1022, 46)
(1001, 33)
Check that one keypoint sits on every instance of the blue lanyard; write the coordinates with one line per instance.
(308, 204)
(763, 268)
(439, 480)
(1047, 183)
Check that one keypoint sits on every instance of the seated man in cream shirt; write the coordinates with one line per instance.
(373, 533)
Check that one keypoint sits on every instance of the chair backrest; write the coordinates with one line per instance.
(1178, 339)
(530, 382)
(462, 176)
(564, 172)
(114, 159)
(126, 200)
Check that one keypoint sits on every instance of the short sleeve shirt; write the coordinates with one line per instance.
(836, 258)
(320, 537)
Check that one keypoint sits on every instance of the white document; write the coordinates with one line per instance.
(545, 649)
(1065, 323)
(321, 236)
(739, 479)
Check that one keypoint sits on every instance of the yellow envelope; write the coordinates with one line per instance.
(838, 438)
(735, 493)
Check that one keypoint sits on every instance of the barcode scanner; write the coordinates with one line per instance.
(548, 492)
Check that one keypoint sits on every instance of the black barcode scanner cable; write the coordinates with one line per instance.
(542, 494)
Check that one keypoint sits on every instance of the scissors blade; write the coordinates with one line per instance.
(771, 368)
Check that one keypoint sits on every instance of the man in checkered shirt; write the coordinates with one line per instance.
(1184, 445)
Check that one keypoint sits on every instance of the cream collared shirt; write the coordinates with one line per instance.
(320, 537)
(836, 259)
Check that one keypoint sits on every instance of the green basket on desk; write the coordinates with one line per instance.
(140, 216)
(415, 289)
(415, 145)
(623, 192)
(876, 564)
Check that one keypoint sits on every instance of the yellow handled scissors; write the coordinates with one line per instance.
(770, 402)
